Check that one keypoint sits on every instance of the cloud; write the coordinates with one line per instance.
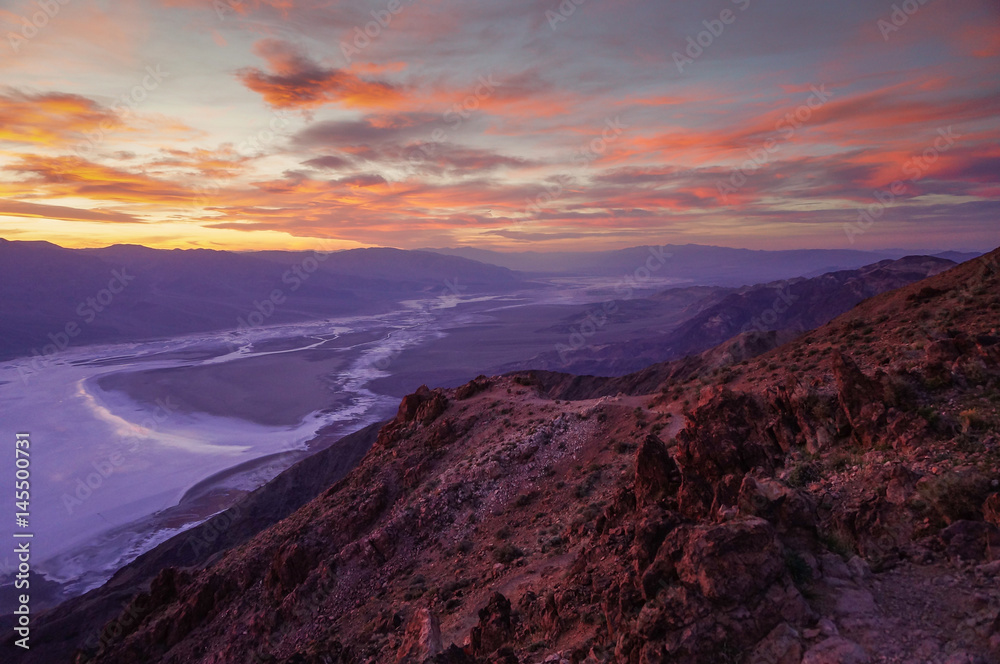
(371, 130)
(328, 162)
(13, 208)
(364, 180)
(51, 118)
(297, 82)
(223, 163)
(75, 176)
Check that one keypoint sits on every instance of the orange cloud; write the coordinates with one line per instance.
(74, 176)
(222, 163)
(52, 118)
(34, 210)
(296, 81)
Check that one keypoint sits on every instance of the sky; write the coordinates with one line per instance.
(508, 124)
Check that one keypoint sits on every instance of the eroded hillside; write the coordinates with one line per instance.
(832, 500)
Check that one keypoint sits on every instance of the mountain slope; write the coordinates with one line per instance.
(79, 620)
(703, 522)
(792, 306)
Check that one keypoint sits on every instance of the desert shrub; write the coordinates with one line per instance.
(839, 541)
(954, 496)
(900, 392)
(932, 416)
(802, 473)
(525, 499)
(507, 553)
(822, 409)
(973, 420)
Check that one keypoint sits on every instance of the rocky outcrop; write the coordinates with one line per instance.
(495, 629)
(991, 509)
(656, 474)
(421, 640)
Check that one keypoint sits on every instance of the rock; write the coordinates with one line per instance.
(795, 610)
(422, 639)
(988, 569)
(473, 387)
(432, 408)
(290, 567)
(827, 627)
(853, 602)
(861, 399)
(836, 650)
(859, 568)
(453, 655)
(961, 658)
(727, 436)
(900, 484)
(423, 406)
(769, 499)
(495, 629)
(733, 561)
(410, 403)
(781, 646)
(834, 567)
(971, 540)
(991, 509)
(653, 526)
(656, 473)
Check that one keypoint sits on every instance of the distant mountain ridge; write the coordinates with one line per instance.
(44, 288)
(792, 306)
(702, 264)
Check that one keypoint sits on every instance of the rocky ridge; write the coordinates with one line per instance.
(833, 500)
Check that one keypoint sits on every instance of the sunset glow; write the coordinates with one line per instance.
(590, 124)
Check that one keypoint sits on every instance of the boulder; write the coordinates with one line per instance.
(422, 639)
(732, 562)
(495, 628)
(656, 475)
(972, 541)
(782, 646)
(836, 650)
(991, 509)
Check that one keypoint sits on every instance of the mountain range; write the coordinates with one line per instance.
(789, 306)
(701, 264)
(831, 499)
(129, 293)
